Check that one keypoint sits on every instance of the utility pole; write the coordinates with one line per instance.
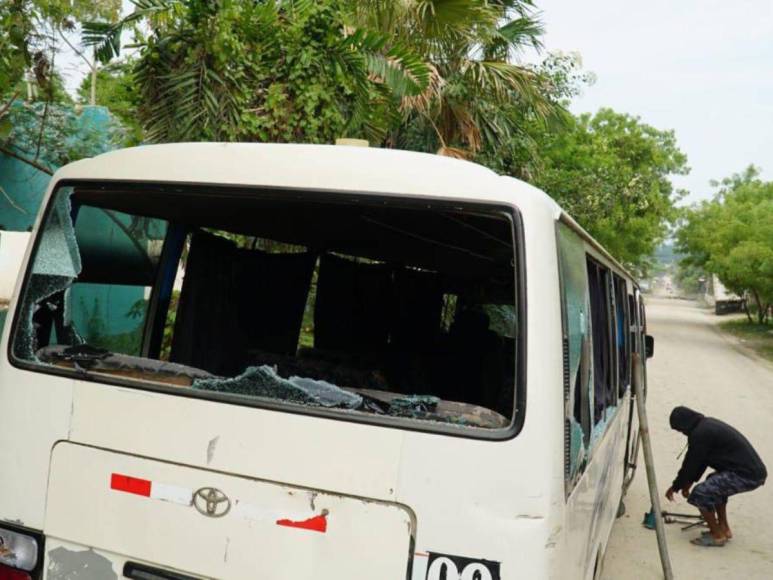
(649, 463)
(93, 93)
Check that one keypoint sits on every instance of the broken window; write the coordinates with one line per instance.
(622, 336)
(604, 395)
(577, 352)
(387, 309)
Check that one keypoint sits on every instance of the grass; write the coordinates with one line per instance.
(759, 337)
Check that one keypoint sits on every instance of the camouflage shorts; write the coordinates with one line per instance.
(718, 486)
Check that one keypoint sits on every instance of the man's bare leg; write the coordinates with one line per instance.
(714, 527)
(722, 517)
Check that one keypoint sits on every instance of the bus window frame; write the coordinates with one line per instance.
(585, 365)
(298, 195)
(612, 270)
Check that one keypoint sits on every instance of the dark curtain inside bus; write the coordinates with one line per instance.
(602, 376)
(235, 300)
(350, 312)
(622, 338)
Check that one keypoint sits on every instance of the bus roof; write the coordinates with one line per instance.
(322, 167)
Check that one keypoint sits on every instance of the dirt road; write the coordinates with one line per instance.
(696, 366)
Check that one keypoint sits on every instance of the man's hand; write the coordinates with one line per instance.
(686, 490)
(670, 494)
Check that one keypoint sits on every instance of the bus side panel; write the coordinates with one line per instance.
(502, 501)
(35, 412)
(592, 505)
(481, 501)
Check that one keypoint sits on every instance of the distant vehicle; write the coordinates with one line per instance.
(724, 302)
(355, 381)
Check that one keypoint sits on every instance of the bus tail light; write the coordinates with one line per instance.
(7, 573)
(18, 554)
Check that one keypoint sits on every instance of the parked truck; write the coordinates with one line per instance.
(723, 301)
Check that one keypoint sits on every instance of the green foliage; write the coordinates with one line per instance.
(688, 277)
(424, 74)
(609, 171)
(520, 155)
(732, 236)
(468, 46)
(265, 71)
(16, 27)
(63, 139)
(116, 90)
(171, 317)
(758, 336)
(27, 30)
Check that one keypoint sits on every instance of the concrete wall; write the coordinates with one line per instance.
(12, 248)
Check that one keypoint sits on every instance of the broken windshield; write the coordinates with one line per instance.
(394, 310)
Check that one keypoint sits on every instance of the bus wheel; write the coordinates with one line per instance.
(620, 509)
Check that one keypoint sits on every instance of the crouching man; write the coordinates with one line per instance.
(737, 468)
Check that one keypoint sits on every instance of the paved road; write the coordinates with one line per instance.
(697, 366)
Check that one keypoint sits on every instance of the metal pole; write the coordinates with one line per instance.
(649, 463)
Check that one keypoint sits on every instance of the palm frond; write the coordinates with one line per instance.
(397, 66)
(105, 37)
(504, 81)
(422, 102)
(453, 18)
(522, 32)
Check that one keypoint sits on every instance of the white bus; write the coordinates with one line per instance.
(379, 365)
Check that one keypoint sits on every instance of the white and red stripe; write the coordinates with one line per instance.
(151, 489)
(184, 496)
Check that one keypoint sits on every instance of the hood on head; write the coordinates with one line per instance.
(684, 419)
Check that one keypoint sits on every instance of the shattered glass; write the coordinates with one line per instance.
(577, 449)
(263, 381)
(503, 319)
(574, 282)
(600, 427)
(56, 264)
(413, 405)
(89, 358)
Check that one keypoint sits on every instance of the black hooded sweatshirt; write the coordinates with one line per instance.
(713, 443)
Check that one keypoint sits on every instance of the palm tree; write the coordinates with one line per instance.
(468, 46)
(279, 70)
(431, 75)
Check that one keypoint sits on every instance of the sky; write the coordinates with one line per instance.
(703, 68)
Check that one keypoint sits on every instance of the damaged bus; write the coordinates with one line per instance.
(302, 361)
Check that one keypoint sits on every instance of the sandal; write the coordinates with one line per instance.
(709, 534)
(708, 541)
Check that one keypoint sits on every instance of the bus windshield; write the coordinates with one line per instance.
(392, 308)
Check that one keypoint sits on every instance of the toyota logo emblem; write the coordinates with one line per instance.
(211, 502)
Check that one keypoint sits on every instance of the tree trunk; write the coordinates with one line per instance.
(8, 104)
(761, 311)
(93, 93)
(747, 311)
